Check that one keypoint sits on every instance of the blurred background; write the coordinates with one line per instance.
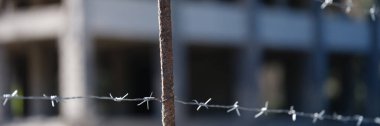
(287, 52)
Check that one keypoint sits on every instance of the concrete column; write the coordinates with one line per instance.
(4, 82)
(76, 65)
(40, 79)
(249, 60)
(248, 65)
(372, 75)
(249, 69)
(314, 98)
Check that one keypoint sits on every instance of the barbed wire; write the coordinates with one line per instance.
(316, 116)
(348, 5)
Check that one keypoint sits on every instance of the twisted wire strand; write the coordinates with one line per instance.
(317, 116)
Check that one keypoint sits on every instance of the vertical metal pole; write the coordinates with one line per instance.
(166, 60)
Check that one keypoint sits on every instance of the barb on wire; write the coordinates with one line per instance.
(318, 116)
(147, 99)
(326, 3)
(234, 107)
(359, 118)
(118, 99)
(377, 120)
(349, 6)
(293, 113)
(372, 12)
(53, 98)
(337, 116)
(8, 96)
(200, 104)
(262, 110)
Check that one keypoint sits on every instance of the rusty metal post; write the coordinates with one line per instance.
(166, 60)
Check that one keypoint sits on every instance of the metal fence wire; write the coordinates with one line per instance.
(235, 107)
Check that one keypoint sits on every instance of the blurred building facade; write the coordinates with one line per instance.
(288, 52)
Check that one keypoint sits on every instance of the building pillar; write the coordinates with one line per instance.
(313, 96)
(372, 69)
(40, 79)
(249, 66)
(312, 91)
(76, 65)
(249, 63)
(4, 82)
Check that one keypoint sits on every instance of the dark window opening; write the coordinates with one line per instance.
(269, 3)
(33, 73)
(122, 69)
(18, 108)
(299, 4)
(345, 88)
(225, 1)
(211, 75)
(293, 4)
(24, 4)
(231, 1)
(286, 75)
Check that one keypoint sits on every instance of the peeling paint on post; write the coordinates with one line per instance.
(166, 60)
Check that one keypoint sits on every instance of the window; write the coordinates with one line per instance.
(125, 68)
(33, 73)
(345, 88)
(211, 75)
(285, 71)
(299, 4)
(24, 4)
(269, 3)
(226, 1)
(292, 4)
